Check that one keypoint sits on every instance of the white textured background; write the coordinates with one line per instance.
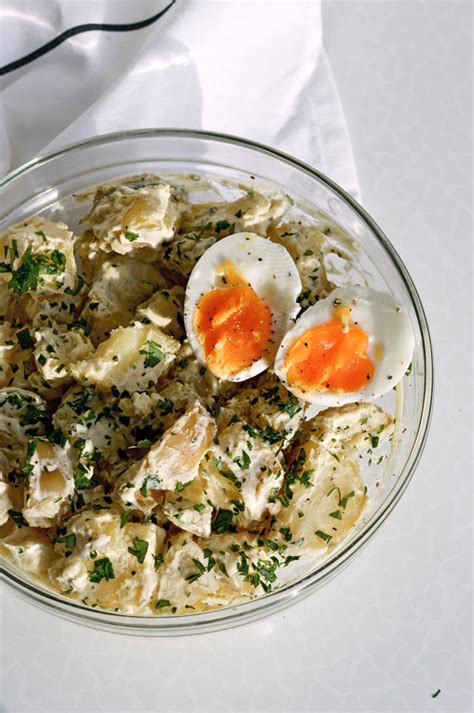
(396, 625)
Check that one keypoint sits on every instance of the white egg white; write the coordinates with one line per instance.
(269, 270)
(390, 347)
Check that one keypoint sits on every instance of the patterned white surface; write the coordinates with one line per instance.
(396, 624)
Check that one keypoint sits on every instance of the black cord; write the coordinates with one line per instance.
(128, 27)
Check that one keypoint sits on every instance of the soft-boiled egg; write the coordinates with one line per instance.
(355, 344)
(240, 301)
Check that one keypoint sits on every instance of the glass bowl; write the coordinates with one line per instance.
(42, 186)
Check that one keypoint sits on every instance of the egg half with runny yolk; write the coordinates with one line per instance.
(240, 301)
(354, 345)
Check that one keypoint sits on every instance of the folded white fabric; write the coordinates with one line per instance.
(252, 68)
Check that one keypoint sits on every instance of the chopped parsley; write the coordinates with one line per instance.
(286, 532)
(139, 549)
(162, 603)
(81, 481)
(28, 275)
(69, 541)
(102, 570)
(222, 521)
(18, 518)
(142, 443)
(222, 225)
(24, 338)
(323, 535)
(130, 236)
(291, 407)
(343, 501)
(200, 569)
(158, 560)
(244, 461)
(153, 354)
(125, 518)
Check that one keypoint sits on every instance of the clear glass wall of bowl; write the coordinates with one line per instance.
(43, 187)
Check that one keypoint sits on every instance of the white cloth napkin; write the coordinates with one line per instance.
(252, 68)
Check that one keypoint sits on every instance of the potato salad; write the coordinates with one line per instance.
(185, 395)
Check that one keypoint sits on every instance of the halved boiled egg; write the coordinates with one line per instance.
(240, 301)
(355, 344)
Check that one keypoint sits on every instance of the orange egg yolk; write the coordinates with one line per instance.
(232, 324)
(330, 357)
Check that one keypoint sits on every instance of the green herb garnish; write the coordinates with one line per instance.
(69, 541)
(222, 521)
(323, 535)
(125, 518)
(139, 549)
(102, 570)
(18, 518)
(162, 603)
(153, 354)
(24, 338)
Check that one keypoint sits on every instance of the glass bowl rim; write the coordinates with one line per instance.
(274, 601)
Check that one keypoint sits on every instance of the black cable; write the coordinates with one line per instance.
(105, 27)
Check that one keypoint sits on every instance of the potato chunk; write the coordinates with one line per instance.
(58, 346)
(107, 564)
(247, 470)
(131, 220)
(273, 412)
(119, 286)
(199, 574)
(323, 498)
(305, 244)
(131, 359)
(354, 426)
(205, 223)
(29, 549)
(188, 580)
(49, 483)
(38, 256)
(23, 415)
(93, 430)
(189, 509)
(170, 463)
(164, 309)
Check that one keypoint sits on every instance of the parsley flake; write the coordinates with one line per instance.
(323, 535)
(102, 570)
(162, 603)
(139, 549)
(18, 518)
(153, 354)
(24, 338)
(69, 541)
(222, 521)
